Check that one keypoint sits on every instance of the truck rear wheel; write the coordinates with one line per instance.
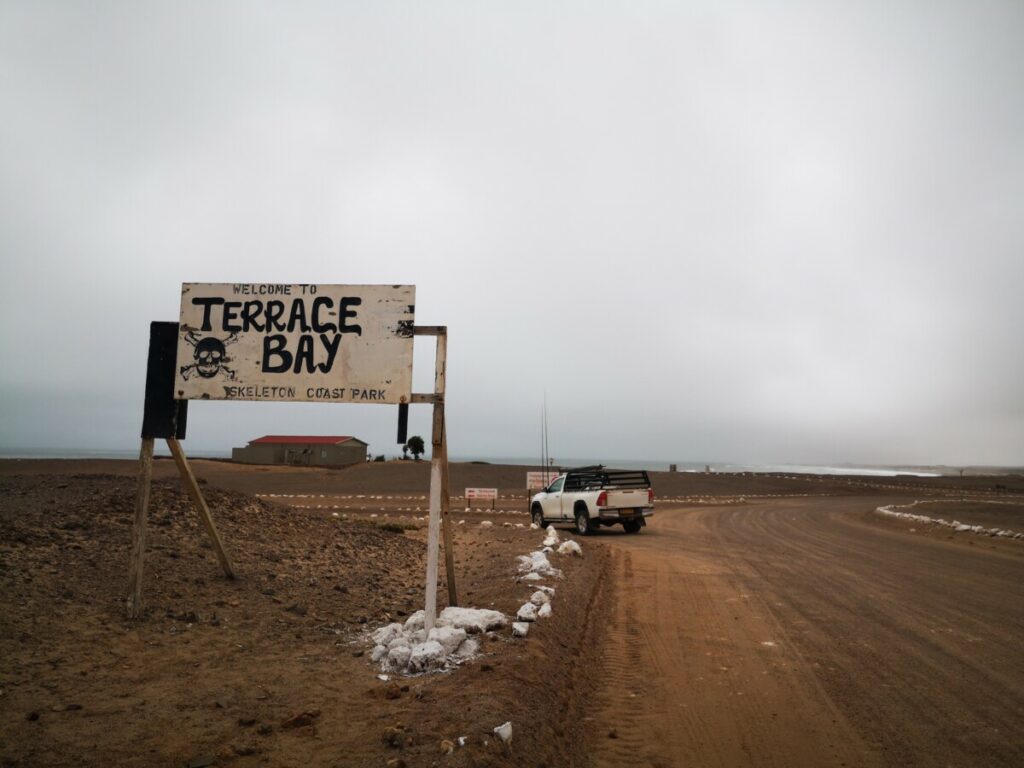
(583, 524)
(538, 517)
(632, 526)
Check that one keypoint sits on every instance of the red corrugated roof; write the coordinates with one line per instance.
(304, 439)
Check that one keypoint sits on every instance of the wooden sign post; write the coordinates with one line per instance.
(440, 499)
(280, 342)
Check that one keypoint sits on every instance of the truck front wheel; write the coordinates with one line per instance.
(583, 525)
(538, 516)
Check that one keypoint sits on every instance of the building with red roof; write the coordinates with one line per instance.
(302, 450)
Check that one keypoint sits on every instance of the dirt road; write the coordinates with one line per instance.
(802, 632)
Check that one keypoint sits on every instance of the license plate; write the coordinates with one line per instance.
(626, 512)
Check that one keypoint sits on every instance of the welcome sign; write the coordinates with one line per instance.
(301, 341)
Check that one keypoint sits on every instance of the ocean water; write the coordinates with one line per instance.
(655, 465)
(106, 453)
(659, 465)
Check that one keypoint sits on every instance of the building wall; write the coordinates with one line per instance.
(256, 454)
(349, 452)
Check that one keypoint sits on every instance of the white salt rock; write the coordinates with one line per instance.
(335, 514)
(539, 598)
(548, 590)
(527, 612)
(415, 621)
(378, 653)
(547, 550)
(534, 527)
(531, 576)
(468, 649)
(545, 611)
(473, 620)
(398, 658)
(462, 522)
(450, 638)
(386, 634)
(520, 629)
(552, 538)
(504, 732)
(520, 525)
(570, 548)
(535, 561)
(426, 656)
(398, 642)
(486, 523)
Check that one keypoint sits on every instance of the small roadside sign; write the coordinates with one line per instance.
(536, 481)
(489, 494)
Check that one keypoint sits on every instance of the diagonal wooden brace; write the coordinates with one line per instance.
(200, 504)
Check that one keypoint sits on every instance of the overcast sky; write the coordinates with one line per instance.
(751, 232)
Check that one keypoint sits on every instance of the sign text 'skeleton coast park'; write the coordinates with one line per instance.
(320, 343)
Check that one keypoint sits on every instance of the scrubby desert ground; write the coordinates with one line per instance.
(759, 620)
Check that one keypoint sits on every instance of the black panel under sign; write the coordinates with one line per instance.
(403, 423)
(163, 416)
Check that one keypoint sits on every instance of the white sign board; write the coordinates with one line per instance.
(536, 481)
(309, 342)
(481, 493)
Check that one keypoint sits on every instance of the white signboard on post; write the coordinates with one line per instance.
(482, 493)
(301, 341)
(536, 481)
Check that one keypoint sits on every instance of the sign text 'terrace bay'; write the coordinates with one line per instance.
(269, 341)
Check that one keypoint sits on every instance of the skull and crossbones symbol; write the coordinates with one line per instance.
(210, 355)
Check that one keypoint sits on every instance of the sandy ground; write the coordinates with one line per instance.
(217, 670)
(772, 621)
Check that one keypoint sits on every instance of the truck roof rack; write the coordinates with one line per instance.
(597, 476)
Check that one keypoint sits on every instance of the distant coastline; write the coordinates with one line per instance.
(654, 465)
(660, 465)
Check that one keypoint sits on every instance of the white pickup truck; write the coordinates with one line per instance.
(590, 497)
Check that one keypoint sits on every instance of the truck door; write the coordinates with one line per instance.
(552, 501)
(570, 494)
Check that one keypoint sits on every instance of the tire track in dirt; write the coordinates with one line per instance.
(621, 673)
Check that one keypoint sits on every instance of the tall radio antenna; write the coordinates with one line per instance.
(545, 454)
(542, 431)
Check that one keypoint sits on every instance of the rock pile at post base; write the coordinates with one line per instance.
(409, 649)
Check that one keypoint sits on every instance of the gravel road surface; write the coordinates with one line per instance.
(805, 632)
